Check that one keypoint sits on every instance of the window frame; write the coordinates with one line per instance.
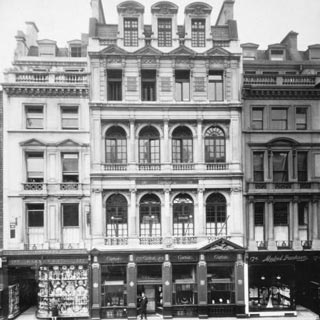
(68, 173)
(181, 142)
(215, 139)
(186, 210)
(29, 179)
(164, 34)
(151, 204)
(257, 123)
(275, 121)
(302, 171)
(198, 34)
(283, 220)
(148, 85)
(120, 143)
(151, 147)
(40, 222)
(77, 215)
(285, 170)
(301, 126)
(114, 85)
(181, 79)
(216, 85)
(218, 213)
(74, 117)
(37, 115)
(76, 51)
(130, 32)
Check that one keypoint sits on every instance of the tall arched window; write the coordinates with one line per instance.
(117, 216)
(215, 145)
(182, 150)
(183, 215)
(150, 216)
(216, 215)
(116, 145)
(149, 145)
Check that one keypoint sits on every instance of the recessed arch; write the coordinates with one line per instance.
(216, 215)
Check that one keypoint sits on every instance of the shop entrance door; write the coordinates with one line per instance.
(154, 294)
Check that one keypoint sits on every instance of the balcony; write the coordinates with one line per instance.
(284, 244)
(280, 80)
(70, 186)
(32, 77)
(115, 167)
(34, 186)
(46, 77)
(185, 240)
(116, 241)
(262, 245)
(306, 244)
(274, 187)
(149, 166)
(150, 240)
(217, 166)
(183, 166)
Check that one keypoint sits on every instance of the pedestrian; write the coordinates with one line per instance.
(143, 306)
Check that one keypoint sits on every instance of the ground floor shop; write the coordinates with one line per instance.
(281, 280)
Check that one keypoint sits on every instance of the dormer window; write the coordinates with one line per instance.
(130, 32)
(164, 32)
(75, 51)
(276, 54)
(198, 33)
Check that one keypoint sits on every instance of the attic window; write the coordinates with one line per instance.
(249, 55)
(276, 54)
(75, 51)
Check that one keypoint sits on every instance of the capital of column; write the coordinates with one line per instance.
(96, 190)
(295, 199)
(251, 199)
(270, 199)
(201, 189)
(133, 190)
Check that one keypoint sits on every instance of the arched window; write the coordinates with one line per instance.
(215, 145)
(216, 215)
(149, 145)
(150, 216)
(183, 215)
(116, 145)
(182, 149)
(117, 216)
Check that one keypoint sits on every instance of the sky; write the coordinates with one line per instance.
(259, 21)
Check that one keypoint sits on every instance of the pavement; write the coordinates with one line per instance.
(302, 314)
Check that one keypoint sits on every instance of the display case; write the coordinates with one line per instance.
(65, 286)
(14, 307)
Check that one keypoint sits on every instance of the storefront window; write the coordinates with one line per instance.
(221, 288)
(113, 291)
(271, 287)
(185, 288)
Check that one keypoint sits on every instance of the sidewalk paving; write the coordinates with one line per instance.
(302, 314)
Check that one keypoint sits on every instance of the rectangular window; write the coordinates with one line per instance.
(75, 51)
(35, 213)
(215, 86)
(182, 85)
(276, 54)
(259, 214)
(148, 85)
(34, 117)
(280, 214)
(303, 213)
(70, 167)
(69, 117)
(164, 32)
(35, 165)
(301, 118)
(257, 118)
(114, 85)
(130, 32)
(70, 214)
(198, 33)
(280, 166)
(302, 166)
(279, 119)
(258, 166)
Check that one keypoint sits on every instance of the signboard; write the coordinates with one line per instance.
(283, 257)
(221, 257)
(149, 258)
(114, 259)
(184, 257)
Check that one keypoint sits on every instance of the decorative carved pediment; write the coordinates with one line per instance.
(70, 143)
(218, 52)
(130, 7)
(198, 8)
(183, 51)
(148, 50)
(222, 245)
(113, 49)
(32, 143)
(164, 7)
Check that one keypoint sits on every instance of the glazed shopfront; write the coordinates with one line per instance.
(182, 284)
(281, 280)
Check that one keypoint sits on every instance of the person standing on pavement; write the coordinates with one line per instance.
(143, 305)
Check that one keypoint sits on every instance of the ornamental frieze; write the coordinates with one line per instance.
(46, 91)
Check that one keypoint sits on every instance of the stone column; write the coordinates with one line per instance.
(166, 220)
(166, 144)
(202, 287)
(167, 288)
(295, 222)
(269, 164)
(96, 289)
(97, 214)
(315, 231)
(132, 144)
(132, 229)
(270, 219)
(131, 289)
(199, 148)
(200, 217)
(251, 219)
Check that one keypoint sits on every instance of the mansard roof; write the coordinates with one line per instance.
(164, 7)
(130, 7)
(198, 8)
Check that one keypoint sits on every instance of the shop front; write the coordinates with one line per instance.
(278, 281)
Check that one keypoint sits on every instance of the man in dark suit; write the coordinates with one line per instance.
(143, 305)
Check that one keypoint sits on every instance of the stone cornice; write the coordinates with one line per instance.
(41, 90)
(274, 93)
(47, 63)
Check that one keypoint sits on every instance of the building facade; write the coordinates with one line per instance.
(166, 171)
(46, 176)
(281, 149)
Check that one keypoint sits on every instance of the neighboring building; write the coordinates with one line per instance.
(281, 131)
(46, 175)
(166, 171)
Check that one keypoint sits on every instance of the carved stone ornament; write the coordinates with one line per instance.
(148, 61)
(114, 60)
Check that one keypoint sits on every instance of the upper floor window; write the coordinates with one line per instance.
(280, 166)
(35, 165)
(198, 32)
(69, 117)
(130, 32)
(280, 214)
(35, 215)
(164, 32)
(75, 51)
(148, 85)
(114, 85)
(182, 145)
(301, 118)
(183, 215)
(303, 216)
(34, 117)
(117, 216)
(150, 216)
(182, 78)
(216, 215)
(149, 145)
(70, 215)
(258, 166)
(257, 118)
(70, 167)
(279, 118)
(302, 166)
(215, 85)
(276, 54)
(214, 145)
(116, 145)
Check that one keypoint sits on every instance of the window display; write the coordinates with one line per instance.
(66, 286)
(14, 308)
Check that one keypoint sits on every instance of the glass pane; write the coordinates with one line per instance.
(70, 162)
(178, 91)
(280, 166)
(186, 91)
(35, 215)
(70, 215)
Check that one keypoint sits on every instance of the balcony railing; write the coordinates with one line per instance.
(70, 78)
(34, 186)
(69, 186)
(149, 166)
(46, 77)
(116, 241)
(115, 167)
(69, 246)
(32, 77)
(284, 244)
(150, 240)
(185, 240)
(217, 166)
(283, 185)
(183, 166)
(306, 244)
(280, 80)
(270, 185)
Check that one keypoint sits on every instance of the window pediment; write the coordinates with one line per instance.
(282, 142)
(222, 245)
(148, 50)
(32, 143)
(164, 8)
(182, 50)
(218, 52)
(113, 49)
(70, 143)
(130, 7)
(198, 8)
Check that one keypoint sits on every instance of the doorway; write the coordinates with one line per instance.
(153, 293)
